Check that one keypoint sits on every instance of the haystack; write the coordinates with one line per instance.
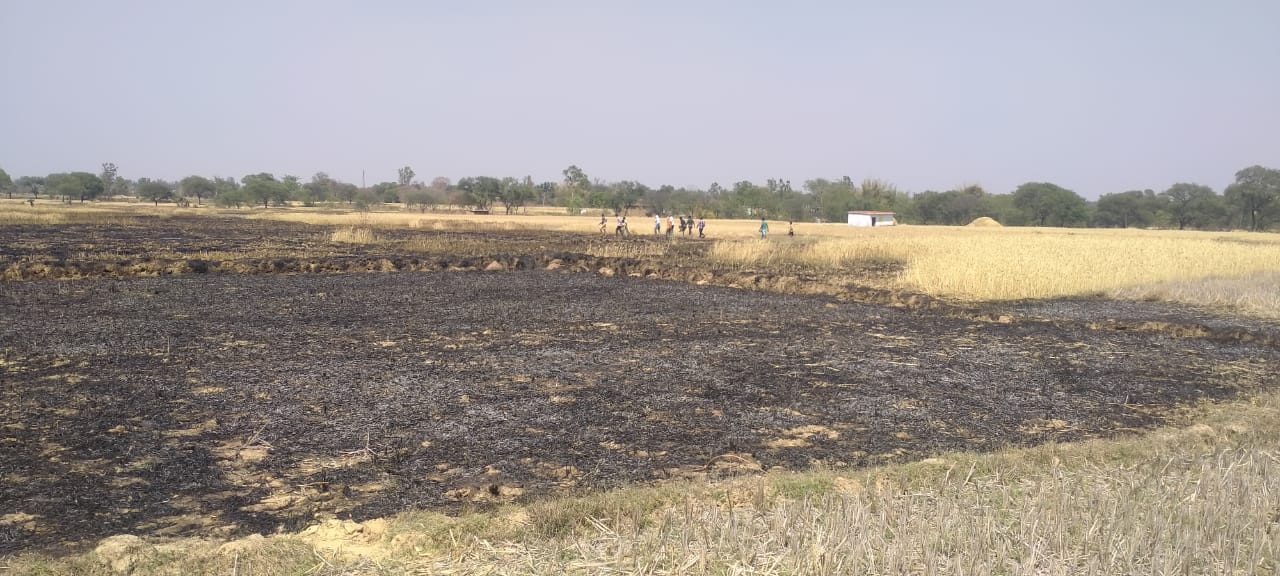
(985, 221)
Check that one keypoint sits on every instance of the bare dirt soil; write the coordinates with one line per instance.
(221, 398)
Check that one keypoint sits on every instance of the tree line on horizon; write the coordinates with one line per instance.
(1251, 202)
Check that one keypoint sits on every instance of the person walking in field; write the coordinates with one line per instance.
(764, 227)
(602, 222)
(702, 226)
(682, 225)
(657, 224)
(617, 231)
(671, 225)
(791, 228)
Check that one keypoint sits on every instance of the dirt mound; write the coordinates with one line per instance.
(985, 222)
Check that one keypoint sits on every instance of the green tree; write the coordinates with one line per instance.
(965, 203)
(221, 185)
(1125, 209)
(197, 186)
(1253, 194)
(796, 206)
(319, 189)
(480, 191)
(1046, 204)
(231, 198)
(32, 184)
(1001, 208)
(110, 177)
(660, 200)
(875, 194)
(406, 175)
(516, 193)
(227, 193)
(1192, 205)
(366, 198)
(422, 198)
(82, 185)
(626, 195)
(832, 200)
(755, 201)
(546, 191)
(384, 193)
(263, 188)
(6, 183)
(786, 202)
(928, 207)
(574, 176)
(292, 187)
(154, 190)
(346, 191)
(119, 187)
(112, 183)
(574, 190)
(690, 201)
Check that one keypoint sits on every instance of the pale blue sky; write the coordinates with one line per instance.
(1098, 96)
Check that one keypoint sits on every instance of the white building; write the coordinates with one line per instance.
(871, 218)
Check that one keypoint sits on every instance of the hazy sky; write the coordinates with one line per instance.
(1095, 95)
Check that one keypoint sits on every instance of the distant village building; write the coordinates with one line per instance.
(871, 218)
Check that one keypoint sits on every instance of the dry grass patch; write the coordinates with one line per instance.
(1255, 294)
(354, 235)
(1190, 499)
(1014, 263)
(1194, 500)
(1005, 263)
(452, 244)
(50, 212)
(813, 253)
(430, 221)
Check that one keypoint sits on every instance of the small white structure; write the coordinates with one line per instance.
(868, 218)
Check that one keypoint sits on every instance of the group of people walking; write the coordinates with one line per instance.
(686, 225)
(620, 229)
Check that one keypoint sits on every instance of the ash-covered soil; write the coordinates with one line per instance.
(152, 246)
(221, 404)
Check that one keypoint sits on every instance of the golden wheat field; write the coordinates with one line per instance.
(1015, 263)
(1231, 269)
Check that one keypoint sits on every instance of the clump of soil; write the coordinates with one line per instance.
(985, 222)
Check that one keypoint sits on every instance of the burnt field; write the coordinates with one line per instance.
(232, 403)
